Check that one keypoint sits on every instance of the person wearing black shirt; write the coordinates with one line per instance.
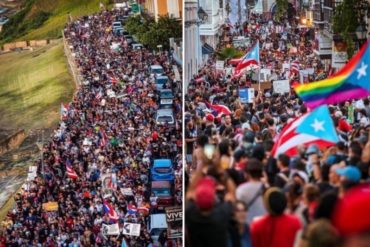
(283, 176)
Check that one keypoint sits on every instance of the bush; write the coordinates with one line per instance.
(228, 53)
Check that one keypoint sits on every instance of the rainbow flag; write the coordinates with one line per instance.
(351, 82)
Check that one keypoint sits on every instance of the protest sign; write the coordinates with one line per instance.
(281, 86)
(174, 222)
(50, 206)
(127, 191)
(110, 229)
(131, 229)
(246, 95)
(219, 65)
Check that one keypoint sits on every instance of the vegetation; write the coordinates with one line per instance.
(44, 19)
(281, 9)
(228, 53)
(345, 23)
(32, 85)
(151, 33)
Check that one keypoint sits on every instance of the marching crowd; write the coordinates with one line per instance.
(105, 143)
(237, 192)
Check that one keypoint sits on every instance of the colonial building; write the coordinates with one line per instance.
(157, 8)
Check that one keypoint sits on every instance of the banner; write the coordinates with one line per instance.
(131, 229)
(246, 95)
(174, 222)
(281, 86)
(50, 206)
(127, 191)
(110, 229)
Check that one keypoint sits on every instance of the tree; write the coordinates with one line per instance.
(345, 22)
(281, 9)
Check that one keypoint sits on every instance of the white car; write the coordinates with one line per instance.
(165, 116)
(156, 225)
(156, 70)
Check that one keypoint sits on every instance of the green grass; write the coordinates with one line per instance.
(32, 86)
(56, 12)
(59, 10)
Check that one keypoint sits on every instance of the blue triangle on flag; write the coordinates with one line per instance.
(319, 124)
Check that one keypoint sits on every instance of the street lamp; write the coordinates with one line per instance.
(203, 16)
(361, 34)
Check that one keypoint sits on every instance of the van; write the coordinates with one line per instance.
(166, 97)
(162, 170)
(156, 225)
(165, 116)
(163, 191)
(156, 70)
(160, 81)
(137, 46)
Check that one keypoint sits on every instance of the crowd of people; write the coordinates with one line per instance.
(237, 193)
(96, 166)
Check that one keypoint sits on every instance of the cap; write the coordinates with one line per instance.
(352, 213)
(351, 173)
(205, 193)
(210, 117)
(302, 175)
(275, 201)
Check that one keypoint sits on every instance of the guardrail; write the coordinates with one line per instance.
(77, 77)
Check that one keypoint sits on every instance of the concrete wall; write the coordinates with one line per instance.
(27, 44)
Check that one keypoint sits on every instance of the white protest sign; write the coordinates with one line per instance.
(219, 65)
(265, 74)
(131, 229)
(281, 86)
(126, 191)
(110, 229)
(32, 173)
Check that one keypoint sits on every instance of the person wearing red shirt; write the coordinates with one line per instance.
(276, 228)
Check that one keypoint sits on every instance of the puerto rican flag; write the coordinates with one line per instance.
(64, 111)
(315, 127)
(218, 109)
(143, 210)
(113, 80)
(99, 95)
(250, 60)
(294, 67)
(131, 209)
(70, 172)
(108, 209)
(103, 138)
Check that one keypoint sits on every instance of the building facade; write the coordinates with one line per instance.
(158, 8)
(211, 28)
(192, 56)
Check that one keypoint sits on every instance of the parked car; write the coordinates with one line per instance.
(156, 225)
(116, 24)
(166, 98)
(162, 170)
(156, 70)
(137, 46)
(165, 116)
(160, 81)
(163, 191)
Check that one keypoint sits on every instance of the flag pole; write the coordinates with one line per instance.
(259, 79)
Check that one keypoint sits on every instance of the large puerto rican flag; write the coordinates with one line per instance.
(315, 127)
(249, 61)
